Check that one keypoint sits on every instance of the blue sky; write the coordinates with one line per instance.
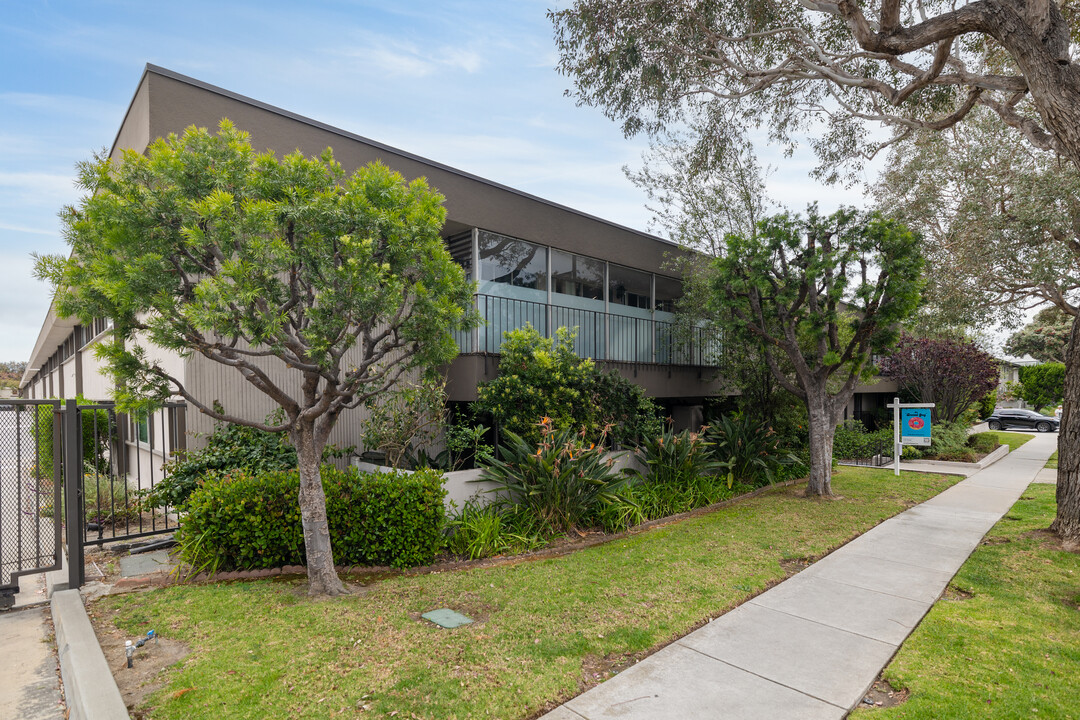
(470, 84)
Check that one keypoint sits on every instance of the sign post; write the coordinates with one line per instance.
(911, 426)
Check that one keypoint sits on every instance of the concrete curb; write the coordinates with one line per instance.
(986, 462)
(89, 686)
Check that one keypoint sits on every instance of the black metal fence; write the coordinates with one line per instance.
(870, 452)
(122, 461)
(79, 475)
(30, 484)
(614, 337)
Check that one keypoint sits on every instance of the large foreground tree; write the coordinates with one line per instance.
(823, 295)
(838, 70)
(321, 291)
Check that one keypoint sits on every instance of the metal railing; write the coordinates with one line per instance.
(870, 451)
(600, 335)
(122, 461)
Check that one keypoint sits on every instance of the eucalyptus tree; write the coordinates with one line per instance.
(839, 70)
(1000, 220)
(823, 294)
(320, 290)
(1045, 338)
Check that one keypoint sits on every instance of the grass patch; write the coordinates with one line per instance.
(546, 629)
(1012, 439)
(1052, 462)
(1005, 642)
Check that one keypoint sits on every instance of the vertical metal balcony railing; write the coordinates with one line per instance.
(601, 336)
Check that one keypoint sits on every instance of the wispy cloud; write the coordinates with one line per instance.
(405, 59)
(42, 188)
(29, 230)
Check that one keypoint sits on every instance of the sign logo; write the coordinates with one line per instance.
(915, 426)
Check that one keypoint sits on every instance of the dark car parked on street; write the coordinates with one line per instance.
(1010, 418)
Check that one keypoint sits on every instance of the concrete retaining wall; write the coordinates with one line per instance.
(463, 486)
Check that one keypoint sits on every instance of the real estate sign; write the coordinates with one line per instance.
(915, 426)
(911, 426)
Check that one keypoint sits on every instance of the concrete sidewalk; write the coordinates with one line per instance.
(30, 687)
(812, 646)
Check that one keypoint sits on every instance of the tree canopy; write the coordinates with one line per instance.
(951, 373)
(999, 221)
(823, 294)
(1042, 386)
(837, 71)
(321, 290)
(1045, 338)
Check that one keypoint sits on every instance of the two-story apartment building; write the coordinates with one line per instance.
(533, 260)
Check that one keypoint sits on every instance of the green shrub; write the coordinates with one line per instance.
(246, 521)
(97, 431)
(983, 442)
(109, 500)
(749, 450)
(853, 442)
(676, 458)
(561, 482)
(228, 448)
(988, 404)
(543, 377)
(949, 440)
(796, 470)
(485, 530)
(403, 421)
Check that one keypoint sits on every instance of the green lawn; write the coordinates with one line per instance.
(1012, 439)
(1005, 642)
(1052, 462)
(546, 628)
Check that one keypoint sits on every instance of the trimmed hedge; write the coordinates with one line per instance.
(852, 441)
(241, 521)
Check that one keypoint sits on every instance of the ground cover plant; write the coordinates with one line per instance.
(1005, 640)
(1052, 462)
(545, 629)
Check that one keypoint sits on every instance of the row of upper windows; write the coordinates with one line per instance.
(524, 264)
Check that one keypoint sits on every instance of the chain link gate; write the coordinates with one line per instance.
(30, 483)
(104, 462)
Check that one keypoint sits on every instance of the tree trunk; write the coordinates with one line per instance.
(1067, 522)
(322, 577)
(822, 431)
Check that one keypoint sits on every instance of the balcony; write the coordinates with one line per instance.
(623, 337)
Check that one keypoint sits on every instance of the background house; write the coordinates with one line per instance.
(535, 262)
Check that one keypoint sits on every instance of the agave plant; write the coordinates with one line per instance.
(562, 480)
(750, 451)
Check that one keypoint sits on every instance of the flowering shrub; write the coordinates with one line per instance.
(749, 450)
(676, 458)
(543, 377)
